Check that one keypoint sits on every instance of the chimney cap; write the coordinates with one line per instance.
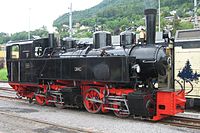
(150, 11)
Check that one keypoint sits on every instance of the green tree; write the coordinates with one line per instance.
(175, 23)
(185, 25)
(62, 30)
(4, 38)
(198, 11)
(42, 32)
(19, 36)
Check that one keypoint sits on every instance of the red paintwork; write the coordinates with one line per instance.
(41, 100)
(120, 91)
(91, 106)
(102, 89)
(23, 90)
(173, 106)
(174, 102)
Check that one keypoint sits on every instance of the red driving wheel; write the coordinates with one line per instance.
(40, 99)
(92, 101)
(118, 112)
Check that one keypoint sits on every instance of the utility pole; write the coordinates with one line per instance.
(196, 25)
(159, 13)
(29, 23)
(70, 20)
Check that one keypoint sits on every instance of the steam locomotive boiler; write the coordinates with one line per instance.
(128, 80)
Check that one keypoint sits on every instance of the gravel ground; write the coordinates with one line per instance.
(12, 124)
(7, 93)
(190, 114)
(79, 118)
(5, 85)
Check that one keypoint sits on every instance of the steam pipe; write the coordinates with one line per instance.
(150, 25)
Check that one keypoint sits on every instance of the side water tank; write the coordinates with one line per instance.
(127, 38)
(102, 39)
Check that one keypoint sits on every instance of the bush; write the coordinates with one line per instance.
(3, 74)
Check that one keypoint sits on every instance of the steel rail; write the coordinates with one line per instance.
(177, 121)
(180, 121)
(12, 94)
(66, 128)
(7, 89)
(3, 81)
(13, 98)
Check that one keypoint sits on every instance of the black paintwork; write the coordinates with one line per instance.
(150, 25)
(152, 60)
(105, 69)
(102, 39)
(106, 64)
(141, 104)
(72, 96)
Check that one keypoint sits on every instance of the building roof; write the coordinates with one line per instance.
(187, 35)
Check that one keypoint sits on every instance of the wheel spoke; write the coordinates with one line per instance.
(89, 95)
(95, 105)
(92, 106)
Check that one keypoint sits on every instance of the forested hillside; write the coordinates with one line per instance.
(107, 10)
(23, 35)
(111, 14)
(115, 16)
(131, 10)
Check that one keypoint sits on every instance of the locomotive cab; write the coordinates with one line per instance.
(19, 59)
(17, 51)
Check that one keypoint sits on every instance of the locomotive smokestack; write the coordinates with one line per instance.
(150, 25)
(51, 40)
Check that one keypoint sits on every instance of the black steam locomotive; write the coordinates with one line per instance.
(129, 80)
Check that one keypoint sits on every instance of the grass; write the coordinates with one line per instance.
(3, 74)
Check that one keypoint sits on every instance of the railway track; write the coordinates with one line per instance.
(9, 93)
(3, 81)
(66, 129)
(179, 121)
(7, 89)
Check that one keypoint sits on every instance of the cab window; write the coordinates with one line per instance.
(15, 52)
(25, 50)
